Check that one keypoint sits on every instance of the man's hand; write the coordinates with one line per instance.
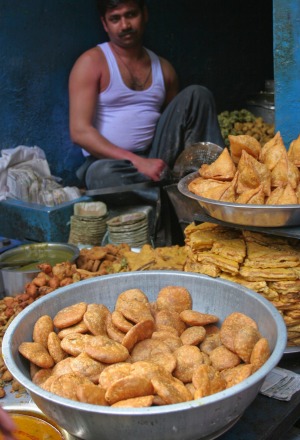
(7, 425)
(152, 168)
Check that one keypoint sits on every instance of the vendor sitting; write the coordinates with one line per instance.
(125, 109)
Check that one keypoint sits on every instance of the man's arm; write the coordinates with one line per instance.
(170, 79)
(85, 82)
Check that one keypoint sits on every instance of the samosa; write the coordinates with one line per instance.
(252, 174)
(283, 196)
(285, 171)
(294, 151)
(272, 151)
(243, 142)
(222, 168)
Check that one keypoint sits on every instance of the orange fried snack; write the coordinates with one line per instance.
(252, 174)
(282, 195)
(294, 151)
(272, 151)
(243, 142)
(254, 196)
(284, 172)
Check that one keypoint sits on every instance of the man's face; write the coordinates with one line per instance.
(125, 24)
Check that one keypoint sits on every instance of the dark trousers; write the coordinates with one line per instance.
(189, 118)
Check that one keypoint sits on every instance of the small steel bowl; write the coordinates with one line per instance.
(205, 418)
(268, 216)
(13, 280)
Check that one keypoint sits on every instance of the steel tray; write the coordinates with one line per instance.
(247, 215)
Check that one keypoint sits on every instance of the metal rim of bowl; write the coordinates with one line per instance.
(182, 187)
(44, 245)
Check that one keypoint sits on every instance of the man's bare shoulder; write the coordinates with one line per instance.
(93, 56)
(91, 66)
(170, 79)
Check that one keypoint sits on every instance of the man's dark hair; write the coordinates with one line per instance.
(105, 5)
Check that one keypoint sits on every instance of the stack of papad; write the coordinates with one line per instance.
(161, 258)
(267, 264)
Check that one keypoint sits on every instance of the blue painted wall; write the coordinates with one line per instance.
(287, 68)
(226, 46)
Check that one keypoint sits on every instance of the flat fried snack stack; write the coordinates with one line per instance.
(267, 264)
(167, 258)
(249, 173)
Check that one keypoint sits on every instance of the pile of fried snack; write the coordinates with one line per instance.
(249, 173)
(142, 353)
(267, 264)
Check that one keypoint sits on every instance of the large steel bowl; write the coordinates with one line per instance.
(205, 418)
(242, 214)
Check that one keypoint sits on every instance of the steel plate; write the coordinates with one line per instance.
(246, 215)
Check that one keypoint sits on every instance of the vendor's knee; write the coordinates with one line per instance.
(201, 92)
(100, 174)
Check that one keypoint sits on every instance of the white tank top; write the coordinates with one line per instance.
(127, 117)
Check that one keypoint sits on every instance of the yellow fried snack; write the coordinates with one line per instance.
(112, 331)
(193, 335)
(128, 387)
(210, 343)
(62, 367)
(135, 402)
(41, 376)
(41, 330)
(237, 374)
(222, 358)
(36, 353)
(222, 168)
(188, 358)
(174, 298)
(120, 321)
(106, 350)
(142, 330)
(84, 365)
(192, 317)
(91, 393)
(114, 372)
(260, 354)
(67, 384)
(134, 305)
(95, 319)
(146, 349)
(169, 318)
(231, 324)
(74, 343)
(54, 348)
(170, 390)
(244, 341)
(77, 328)
(70, 315)
(172, 340)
